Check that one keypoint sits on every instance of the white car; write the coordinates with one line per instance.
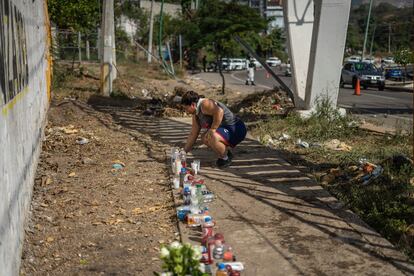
(256, 63)
(353, 59)
(273, 61)
(388, 60)
(237, 64)
(368, 60)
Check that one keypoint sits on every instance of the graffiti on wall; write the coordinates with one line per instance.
(14, 69)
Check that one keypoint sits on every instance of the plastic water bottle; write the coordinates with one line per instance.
(183, 172)
(175, 153)
(183, 158)
(177, 166)
(207, 228)
(176, 182)
(200, 198)
(221, 270)
(194, 208)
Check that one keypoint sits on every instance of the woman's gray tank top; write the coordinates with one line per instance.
(205, 121)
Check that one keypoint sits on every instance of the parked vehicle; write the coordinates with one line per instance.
(236, 64)
(394, 73)
(368, 60)
(389, 60)
(273, 61)
(367, 73)
(257, 63)
(353, 59)
(225, 62)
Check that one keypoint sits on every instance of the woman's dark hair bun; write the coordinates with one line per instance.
(190, 97)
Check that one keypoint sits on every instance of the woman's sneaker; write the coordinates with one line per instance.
(221, 163)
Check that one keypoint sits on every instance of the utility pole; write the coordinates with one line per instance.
(389, 38)
(366, 29)
(150, 31)
(107, 60)
(372, 40)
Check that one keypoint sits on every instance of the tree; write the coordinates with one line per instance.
(219, 21)
(404, 57)
(78, 15)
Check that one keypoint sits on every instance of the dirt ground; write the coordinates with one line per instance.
(87, 217)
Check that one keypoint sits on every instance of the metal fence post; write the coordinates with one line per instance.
(79, 47)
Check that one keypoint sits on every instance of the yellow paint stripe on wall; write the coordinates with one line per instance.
(9, 106)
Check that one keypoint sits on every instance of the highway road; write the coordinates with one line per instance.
(393, 106)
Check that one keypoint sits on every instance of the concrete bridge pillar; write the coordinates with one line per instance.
(298, 16)
(327, 50)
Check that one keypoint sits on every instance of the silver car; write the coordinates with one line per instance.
(367, 73)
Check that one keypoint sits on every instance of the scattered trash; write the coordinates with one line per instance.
(70, 129)
(145, 92)
(119, 162)
(373, 175)
(82, 140)
(335, 144)
(302, 144)
(72, 174)
(284, 137)
(276, 107)
(117, 166)
(368, 167)
(271, 102)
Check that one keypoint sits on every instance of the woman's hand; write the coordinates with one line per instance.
(210, 134)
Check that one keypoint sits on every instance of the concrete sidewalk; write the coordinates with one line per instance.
(278, 220)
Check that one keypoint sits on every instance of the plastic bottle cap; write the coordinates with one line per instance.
(221, 266)
(207, 219)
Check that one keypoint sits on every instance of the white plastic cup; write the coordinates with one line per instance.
(195, 165)
(176, 182)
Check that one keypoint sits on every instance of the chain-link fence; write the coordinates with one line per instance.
(75, 46)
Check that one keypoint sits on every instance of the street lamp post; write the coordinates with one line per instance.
(366, 29)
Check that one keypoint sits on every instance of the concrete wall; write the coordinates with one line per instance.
(24, 100)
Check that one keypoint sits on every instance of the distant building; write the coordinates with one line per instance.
(267, 9)
(274, 9)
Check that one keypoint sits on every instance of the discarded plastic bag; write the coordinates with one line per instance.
(302, 144)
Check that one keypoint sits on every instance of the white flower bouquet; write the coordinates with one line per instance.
(181, 260)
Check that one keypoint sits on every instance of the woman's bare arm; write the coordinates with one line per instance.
(192, 138)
